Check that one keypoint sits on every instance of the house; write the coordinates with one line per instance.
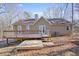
(55, 26)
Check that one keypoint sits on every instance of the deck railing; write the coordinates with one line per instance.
(24, 33)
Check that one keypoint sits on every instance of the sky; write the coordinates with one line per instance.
(38, 8)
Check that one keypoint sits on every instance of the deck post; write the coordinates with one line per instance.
(7, 41)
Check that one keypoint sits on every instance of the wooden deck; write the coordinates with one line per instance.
(22, 34)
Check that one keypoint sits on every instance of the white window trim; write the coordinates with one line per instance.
(40, 26)
(28, 27)
(19, 27)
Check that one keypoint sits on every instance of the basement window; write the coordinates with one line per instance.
(67, 28)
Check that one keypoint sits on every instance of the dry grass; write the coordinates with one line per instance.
(6, 51)
(69, 53)
(58, 39)
(46, 51)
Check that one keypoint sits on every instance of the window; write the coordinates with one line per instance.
(43, 29)
(67, 28)
(27, 27)
(19, 28)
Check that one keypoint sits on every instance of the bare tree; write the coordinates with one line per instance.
(56, 12)
(23, 15)
(2, 12)
(76, 16)
(9, 12)
(53, 12)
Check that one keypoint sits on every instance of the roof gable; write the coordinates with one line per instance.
(40, 19)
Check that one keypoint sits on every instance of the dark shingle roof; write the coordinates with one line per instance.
(58, 20)
(54, 20)
(24, 21)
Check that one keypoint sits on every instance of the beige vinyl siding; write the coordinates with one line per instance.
(40, 22)
(60, 29)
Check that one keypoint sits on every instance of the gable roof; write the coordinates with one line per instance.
(50, 21)
(43, 19)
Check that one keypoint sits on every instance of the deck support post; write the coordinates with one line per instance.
(7, 41)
